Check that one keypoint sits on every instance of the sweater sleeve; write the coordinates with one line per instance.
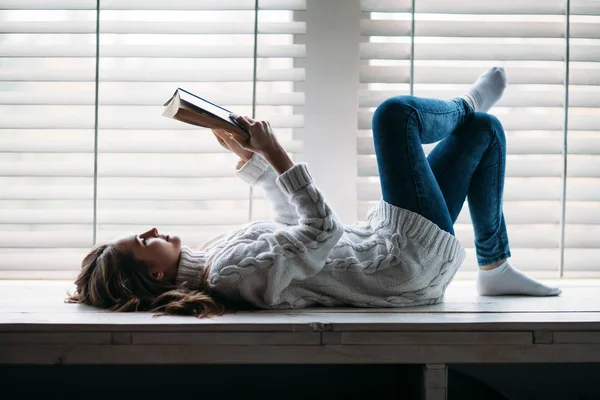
(261, 266)
(258, 172)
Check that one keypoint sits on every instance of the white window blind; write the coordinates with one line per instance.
(582, 228)
(156, 172)
(438, 50)
(151, 171)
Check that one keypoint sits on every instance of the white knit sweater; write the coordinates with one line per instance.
(306, 257)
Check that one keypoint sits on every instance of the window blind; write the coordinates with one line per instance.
(151, 171)
(439, 49)
(582, 208)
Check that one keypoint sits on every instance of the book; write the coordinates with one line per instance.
(192, 109)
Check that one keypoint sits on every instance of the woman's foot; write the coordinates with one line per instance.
(506, 280)
(487, 90)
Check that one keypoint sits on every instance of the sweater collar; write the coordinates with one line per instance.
(191, 268)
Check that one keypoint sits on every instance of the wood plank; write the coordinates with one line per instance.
(543, 337)
(194, 354)
(466, 322)
(48, 297)
(331, 338)
(576, 337)
(427, 338)
(223, 338)
(55, 338)
(291, 321)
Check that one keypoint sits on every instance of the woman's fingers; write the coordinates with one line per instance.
(221, 138)
(227, 137)
(220, 134)
(232, 141)
(241, 121)
(261, 134)
(239, 140)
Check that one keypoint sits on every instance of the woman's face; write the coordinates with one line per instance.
(160, 252)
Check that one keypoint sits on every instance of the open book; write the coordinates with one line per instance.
(189, 108)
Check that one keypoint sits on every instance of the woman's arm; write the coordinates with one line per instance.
(258, 172)
(267, 264)
(260, 266)
(264, 142)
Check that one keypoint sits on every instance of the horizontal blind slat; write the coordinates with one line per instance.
(516, 166)
(19, 259)
(516, 189)
(509, 29)
(175, 5)
(150, 75)
(523, 120)
(69, 238)
(118, 170)
(553, 7)
(122, 217)
(153, 51)
(132, 98)
(542, 236)
(154, 145)
(513, 96)
(525, 166)
(526, 143)
(154, 28)
(467, 74)
(522, 142)
(517, 212)
(578, 213)
(118, 121)
(479, 51)
(127, 192)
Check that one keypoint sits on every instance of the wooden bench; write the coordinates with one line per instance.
(37, 328)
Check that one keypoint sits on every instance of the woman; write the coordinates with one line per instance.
(404, 255)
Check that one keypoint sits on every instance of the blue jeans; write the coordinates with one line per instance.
(468, 162)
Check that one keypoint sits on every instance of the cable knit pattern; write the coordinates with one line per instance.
(258, 172)
(191, 267)
(396, 258)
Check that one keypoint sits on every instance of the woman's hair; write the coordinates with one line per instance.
(113, 279)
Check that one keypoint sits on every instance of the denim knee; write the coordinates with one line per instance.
(491, 125)
(396, 105)
(393, 111)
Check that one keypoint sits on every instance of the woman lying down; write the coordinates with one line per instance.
(404, 255)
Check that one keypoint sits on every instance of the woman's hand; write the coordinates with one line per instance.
(225, 140)
(263, 141)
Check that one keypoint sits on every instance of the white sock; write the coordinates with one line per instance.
(506, 279)
(488, 89)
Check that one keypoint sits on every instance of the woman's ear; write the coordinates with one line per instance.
(158, 275)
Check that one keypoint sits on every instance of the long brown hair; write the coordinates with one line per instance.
(113, 279)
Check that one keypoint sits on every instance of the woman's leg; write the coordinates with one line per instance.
(400, 126)
(470, 163)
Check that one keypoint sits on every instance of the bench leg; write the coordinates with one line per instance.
(435, 379)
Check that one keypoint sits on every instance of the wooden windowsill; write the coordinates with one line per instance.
(36, 327)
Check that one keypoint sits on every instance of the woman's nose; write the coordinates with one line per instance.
(150, 233)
